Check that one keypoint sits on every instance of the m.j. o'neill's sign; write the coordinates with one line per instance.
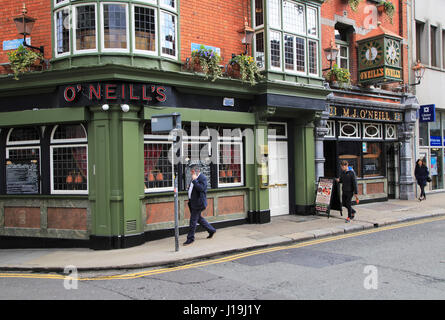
(364, 114)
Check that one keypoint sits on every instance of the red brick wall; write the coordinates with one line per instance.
(214, 23)
(337, 7)
(41, 33)
(25, 217)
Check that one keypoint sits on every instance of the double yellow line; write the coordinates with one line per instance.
(223, 259)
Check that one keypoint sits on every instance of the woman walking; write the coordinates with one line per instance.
(421, 172)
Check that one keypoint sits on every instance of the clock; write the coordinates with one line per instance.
(371, 54)
(392, 52)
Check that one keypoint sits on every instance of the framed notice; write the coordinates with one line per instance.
(22, 177)
(324, 194)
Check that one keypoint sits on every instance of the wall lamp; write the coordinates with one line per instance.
(248, 35)
(125, 107)
(419, 71)
(331, 54)
(24, 26)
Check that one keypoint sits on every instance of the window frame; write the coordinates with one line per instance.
(133, 30)
(162, 189)
(102, 28)
(67, 143)
(74, 38)
(56, 54)
(160, 25)
(231, 184)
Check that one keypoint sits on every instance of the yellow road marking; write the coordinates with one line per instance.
(223, 259)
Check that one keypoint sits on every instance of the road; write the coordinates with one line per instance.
(400, 263)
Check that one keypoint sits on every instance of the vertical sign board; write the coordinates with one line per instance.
(427, 113)
(323, 197)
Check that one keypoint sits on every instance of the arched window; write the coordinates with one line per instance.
(23, 161)
(69, 159)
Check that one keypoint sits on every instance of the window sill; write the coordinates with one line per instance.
(45, 196)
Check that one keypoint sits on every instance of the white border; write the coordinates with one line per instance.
(353, 124)
(59, 55)
(232, 184)
(151, 190)
(51, 176)
(133, 29)
(56, 141)
(379, 128)
(75, 51)
(277, 136)
(394, 126)
(19, 143)
(102, 29)
(317, 52)
(160, 34)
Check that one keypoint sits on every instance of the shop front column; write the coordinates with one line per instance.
(320, 132)
(406, 134)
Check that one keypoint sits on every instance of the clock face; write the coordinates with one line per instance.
(371, 53)
(392, 52)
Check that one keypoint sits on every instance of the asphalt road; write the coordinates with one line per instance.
(401, 263)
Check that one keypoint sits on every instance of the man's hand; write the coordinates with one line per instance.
(194, 176)
(337, 179)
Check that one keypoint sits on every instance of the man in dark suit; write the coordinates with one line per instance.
(197, 203)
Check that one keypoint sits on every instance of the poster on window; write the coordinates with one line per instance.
(433, 170)
(324, 194)
(22, 177)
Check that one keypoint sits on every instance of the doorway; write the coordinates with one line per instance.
(278, 178)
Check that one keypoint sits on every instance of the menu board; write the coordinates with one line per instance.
(324, 193)
(22, 177)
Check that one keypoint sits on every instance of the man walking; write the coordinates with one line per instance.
(349, 188)
(197, 203)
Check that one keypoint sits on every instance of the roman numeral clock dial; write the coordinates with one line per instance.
(392, 52)
(371, 54)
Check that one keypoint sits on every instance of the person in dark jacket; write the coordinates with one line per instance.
(349, 188)
(421, 172)
(197, 203)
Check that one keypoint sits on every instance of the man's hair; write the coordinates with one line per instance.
(195, 167)
(344, 163)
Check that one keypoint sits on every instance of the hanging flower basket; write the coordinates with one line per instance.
(206, 61)
(245, 68)
(24, 60)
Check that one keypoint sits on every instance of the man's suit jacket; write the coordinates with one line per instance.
(198, 199)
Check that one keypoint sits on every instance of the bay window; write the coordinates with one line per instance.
(115, 26)
(292, 36)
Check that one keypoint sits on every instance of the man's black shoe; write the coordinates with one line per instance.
(188, 242)
(211, 234)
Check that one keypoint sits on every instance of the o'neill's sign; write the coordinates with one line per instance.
(381, 74)
(365, 114)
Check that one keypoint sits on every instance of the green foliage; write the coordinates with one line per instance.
(208, 60)
(248, 68)
(22, 59)
(354, 4)
(389, 9)
(338, 74)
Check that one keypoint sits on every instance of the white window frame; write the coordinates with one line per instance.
(278, 136)
(161, 54)
(254, 16)
(280, 33)
(264, 49)
(52, 169)
(295, 71)
(164, 6)
(304, 18)
(355, 125)
(331, 126)
(133, 30)
(102, 27)
(74, 13)
(231, 184)
(66, 143)
(151, 190)
(56, 54)
(316, 36)
(339, 57)
(19, 143)
(269, 13)
(316, 57)
(379, 128)
(56, 5)
(394, 136)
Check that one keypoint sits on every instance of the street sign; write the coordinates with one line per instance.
(427, 113)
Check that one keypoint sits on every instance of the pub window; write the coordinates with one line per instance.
(390, 132)
(168, 34)
(372, 131)
(62, 29)
(158, 166)
(349, 129)
(230, 164)
(331, 128)
(69, 160)
(351, 152)
(115, 27)
(85, 28)
(372, 159)
(259, 49)
(259, 20)
(22, 149)
(145, 29)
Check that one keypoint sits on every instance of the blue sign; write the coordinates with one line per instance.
(14, 44)
(435, 141)
(196, 46)
(428, 113)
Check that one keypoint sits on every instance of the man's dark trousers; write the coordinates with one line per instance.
(346, 200)
(195, 217)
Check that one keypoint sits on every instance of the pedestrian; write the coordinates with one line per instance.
(349, 188)
(422, 176)
(197, 203)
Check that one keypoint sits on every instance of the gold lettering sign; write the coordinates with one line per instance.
(372, 74)
(364, 114)
(393, 73)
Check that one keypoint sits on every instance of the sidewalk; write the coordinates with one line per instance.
(282, 230)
